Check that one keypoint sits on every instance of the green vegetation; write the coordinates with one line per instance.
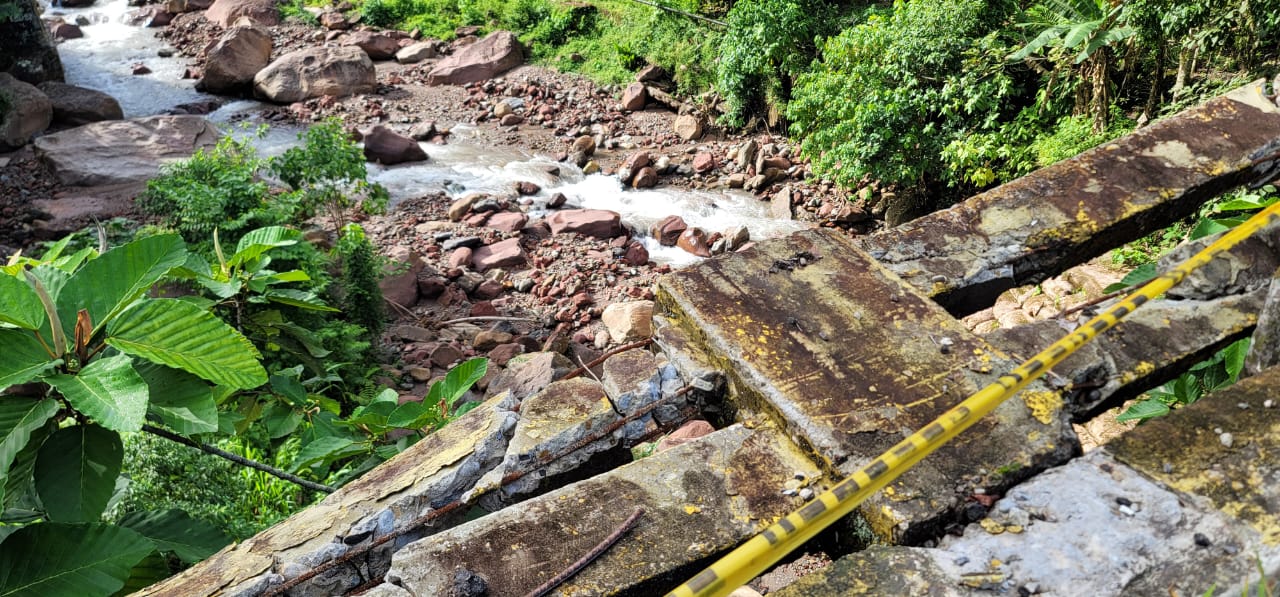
(1224, 367)
(249, 358)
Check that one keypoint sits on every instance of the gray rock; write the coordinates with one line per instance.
(315, 72)
(26, 111)
(122, 151)
(74, 106)
(237, 57)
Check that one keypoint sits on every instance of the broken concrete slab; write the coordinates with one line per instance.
(1222, 448)
(1059, 216)
(848, 360)
(427, 475)
(1152, 345)
(1092, 527)
(699, 499)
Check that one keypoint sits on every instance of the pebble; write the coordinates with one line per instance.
(1268, 403)
(1227, 439)
(1126, 510)
(1202, 540)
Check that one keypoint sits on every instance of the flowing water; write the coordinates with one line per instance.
(104, 58)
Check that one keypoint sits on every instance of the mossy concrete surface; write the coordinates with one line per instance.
(1151, 345)
(822, 341)
(1062, 215)
(1225, 448)
(699, 499)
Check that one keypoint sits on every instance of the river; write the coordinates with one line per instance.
(104, 59)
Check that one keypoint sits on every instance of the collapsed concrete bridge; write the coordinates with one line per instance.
(815, 353)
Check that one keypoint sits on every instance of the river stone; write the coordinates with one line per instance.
(386, 146)
(379, 46)
(74, 106)
(316, 72)
(226, 12)
(497, 53)
(27, 112)
(688, 126)
(599, 223)
(634, 97)
(418, 52)
(122, 151)
(235, 59)
(628, 321)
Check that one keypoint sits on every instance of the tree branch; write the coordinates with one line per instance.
(236, 458)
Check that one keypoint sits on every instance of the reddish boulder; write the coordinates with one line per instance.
(527, 188)
(459, 257)
(634, 97)
(646, 178)
(232, 62)
(632, 165)
(668, 230)
(507, 221)
(386, 146)
(505, 253)
(66, 31)
(636, 254)
(704, 162)
(497, 53)
(599, 223)
(688, 127)
(379, 46)
(74, 106)
(400, 285)
(334, 20)
(225, 12)
(316, 72)
(694, 240)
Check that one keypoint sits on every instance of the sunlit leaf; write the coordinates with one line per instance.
(109, 391)
(191, 539)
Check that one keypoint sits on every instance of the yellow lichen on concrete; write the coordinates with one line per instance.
(1044, 405)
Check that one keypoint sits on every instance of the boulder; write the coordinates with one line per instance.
(400, 285)
(379, 46)
(315, 72)
(66, 31)
(504, 253)
(668, 230)
(122, 151)
(418, 52)
(646, 178)
(634, 97)
(636, 255)
(632, 165)
(334, 21)
(232, 63)
(225, 12)
(498, 52)
(74, 106)
(27, 49)
(386, 146)
(507, 221)
(688, 127)
(627, 322)
(27, 111)
(651, 73)
(694, 240)
(599, 223)
(780, 205)
(704, 162)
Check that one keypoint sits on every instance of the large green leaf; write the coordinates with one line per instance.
(178, 334)
(19, 304)
(257, 242)
(55, 559)
(182, 401)
(22, 357)
(76, 472)
(323, 448)
(109, 391)
(191, 539)
(457, 381)
(20, 419)
(106, 285)
(151, 570)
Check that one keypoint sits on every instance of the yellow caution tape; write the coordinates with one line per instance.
(763, 550)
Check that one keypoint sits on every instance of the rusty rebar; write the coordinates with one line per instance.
(590, 556)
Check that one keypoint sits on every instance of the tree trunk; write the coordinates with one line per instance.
(1185, 64)
(1153, 96)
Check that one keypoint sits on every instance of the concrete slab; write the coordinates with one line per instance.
(429, 474)
(1059, 216)
(1225, 447)
(1152, 345)
(848, 359)
(698, 499)
(1092, 527)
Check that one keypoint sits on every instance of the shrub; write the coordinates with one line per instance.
(891, 93)
(361, 270)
